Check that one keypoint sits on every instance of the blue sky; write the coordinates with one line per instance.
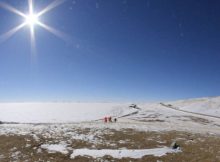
(117, 50)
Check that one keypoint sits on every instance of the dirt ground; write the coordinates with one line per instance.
(194, 147)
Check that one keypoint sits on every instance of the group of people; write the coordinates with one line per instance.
(109, 119)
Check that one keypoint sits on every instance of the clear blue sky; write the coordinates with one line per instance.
(119, 50)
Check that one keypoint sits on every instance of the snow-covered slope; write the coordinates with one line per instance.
(203, 111)
(208, 106)
(194, 115)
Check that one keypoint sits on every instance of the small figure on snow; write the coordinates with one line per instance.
(110, 119)
(105, 119)
(115, 120)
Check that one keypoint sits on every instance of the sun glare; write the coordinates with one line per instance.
(31, 19)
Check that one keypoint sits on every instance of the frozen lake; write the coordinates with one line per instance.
(54, 112)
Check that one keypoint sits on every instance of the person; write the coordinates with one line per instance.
(105, 119)
(110, 119)
(115, 120)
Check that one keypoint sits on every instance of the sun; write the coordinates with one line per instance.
(31, 20)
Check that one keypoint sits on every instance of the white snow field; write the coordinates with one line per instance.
(178, 115)
(56, 112)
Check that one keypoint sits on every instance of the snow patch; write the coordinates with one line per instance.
(1, 157)
(136, 154)
(54, 148)
(16, 155)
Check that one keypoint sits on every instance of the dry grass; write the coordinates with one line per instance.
(195, 147)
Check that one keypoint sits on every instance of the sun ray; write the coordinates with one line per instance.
(11, 32)
(54, 31)
(31, 20)
(51, 6)
(31, 5)
(33, 44)
(12, 9)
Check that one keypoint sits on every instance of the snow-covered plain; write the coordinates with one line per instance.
(56, 112)
(146, 116)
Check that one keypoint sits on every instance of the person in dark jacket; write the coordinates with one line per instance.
(105, 119)
(110, 119)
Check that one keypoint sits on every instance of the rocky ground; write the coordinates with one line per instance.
(56, 144)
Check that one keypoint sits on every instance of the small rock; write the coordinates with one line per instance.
(174, 145)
